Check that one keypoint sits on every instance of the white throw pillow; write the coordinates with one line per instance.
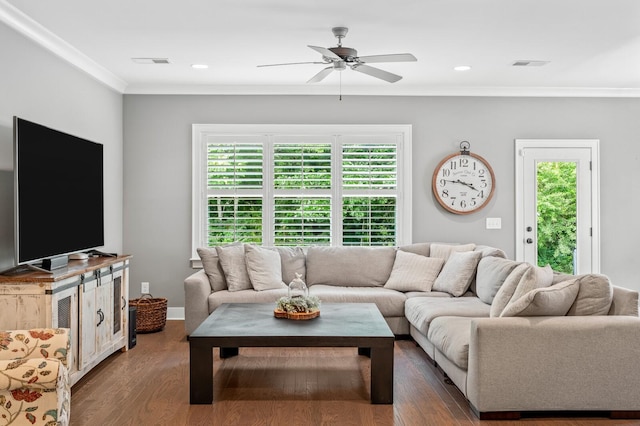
(457, 273)
(492, 273)
(444, 251)
(594, 297)
(529, 277)
(544, 301)
(212, 267)
(234, 267)
(263, 267)
(533, 278)
(413, 272)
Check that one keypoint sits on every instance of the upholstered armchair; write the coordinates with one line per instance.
(34, 377)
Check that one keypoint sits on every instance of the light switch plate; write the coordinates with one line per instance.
(494, 223)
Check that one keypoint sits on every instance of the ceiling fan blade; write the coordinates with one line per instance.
(395, 57)
(377, 73)
(321, 75)
(326, 53)
(290, 63)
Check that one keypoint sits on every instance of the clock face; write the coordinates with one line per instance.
(463, 183)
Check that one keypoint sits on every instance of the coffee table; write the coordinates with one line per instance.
(233, 325)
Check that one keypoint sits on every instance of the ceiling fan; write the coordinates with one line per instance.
(340, 57)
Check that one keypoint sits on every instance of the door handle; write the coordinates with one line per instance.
(529, 241)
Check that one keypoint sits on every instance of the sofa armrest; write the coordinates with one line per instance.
(196, 300)
(53, 343)
(554, 363)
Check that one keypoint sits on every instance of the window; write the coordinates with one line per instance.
(301, 185)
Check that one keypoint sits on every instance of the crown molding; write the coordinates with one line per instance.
(26, 26)
(387, 90)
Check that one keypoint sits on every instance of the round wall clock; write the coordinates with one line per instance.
(463, 183)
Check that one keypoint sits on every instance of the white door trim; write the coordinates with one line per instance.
(594, 146)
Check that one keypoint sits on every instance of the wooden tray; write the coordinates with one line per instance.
(296, 315)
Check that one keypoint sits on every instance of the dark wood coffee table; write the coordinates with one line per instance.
(233, 325)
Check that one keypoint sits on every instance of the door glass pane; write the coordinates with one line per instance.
(557, 215)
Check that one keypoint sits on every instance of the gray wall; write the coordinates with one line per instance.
(157, 165)
(39, 86)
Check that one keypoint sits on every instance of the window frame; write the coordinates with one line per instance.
(402, 133)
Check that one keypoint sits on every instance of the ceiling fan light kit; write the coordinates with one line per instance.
(340, 57)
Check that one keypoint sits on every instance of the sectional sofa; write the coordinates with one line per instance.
(512, 337)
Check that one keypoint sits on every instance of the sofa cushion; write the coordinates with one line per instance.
(234, 267)
(417, 248)
(594, 297)
(443, 251)
(349, 266)
(413, 272)
(505, 292)
(544, 301)
(420, 311)
(451, 336)
(389, 302)
(293, 261)
(492, 271)
(456, 275)
(212, 267)
(245, 296)
(264, 267)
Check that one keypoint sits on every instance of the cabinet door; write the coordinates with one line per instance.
(65, 315)
(104, 305)
(89, 323)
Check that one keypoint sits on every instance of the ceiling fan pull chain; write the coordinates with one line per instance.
(340, 86)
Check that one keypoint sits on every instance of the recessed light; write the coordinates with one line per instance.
(462, 68)
(199, 66)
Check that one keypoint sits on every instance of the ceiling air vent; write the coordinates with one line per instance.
(150, 60)
(523, 63)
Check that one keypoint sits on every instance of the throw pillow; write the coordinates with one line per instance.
(293, 260)
(413, 272)
(211, 266)
(535, 277)
(263, 267)
(457, 273)
(443, 251)
(506, 290)
(594, 297)
(234, 267)
(417, 248)
(492, 272)
(544, 301)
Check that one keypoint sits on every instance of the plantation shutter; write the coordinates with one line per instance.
(369, 195)
(302, 172)
(234, 189)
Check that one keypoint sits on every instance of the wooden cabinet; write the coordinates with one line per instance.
(89, 297)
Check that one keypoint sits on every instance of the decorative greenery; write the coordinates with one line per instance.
(557, 212)
(298, 304)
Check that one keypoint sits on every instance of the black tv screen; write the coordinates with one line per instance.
(59, 193)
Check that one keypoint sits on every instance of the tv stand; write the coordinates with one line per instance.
(88, 296)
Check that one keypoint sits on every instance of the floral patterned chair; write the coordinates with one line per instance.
(34, 377)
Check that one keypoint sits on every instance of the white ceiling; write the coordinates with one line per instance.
(593, 45)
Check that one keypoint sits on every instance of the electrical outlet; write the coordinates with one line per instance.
(144, 288)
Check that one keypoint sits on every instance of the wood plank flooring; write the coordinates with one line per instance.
(149, 385)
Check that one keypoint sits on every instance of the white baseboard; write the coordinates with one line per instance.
(175, 313)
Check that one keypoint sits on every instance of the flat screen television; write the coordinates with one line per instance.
(59, 194)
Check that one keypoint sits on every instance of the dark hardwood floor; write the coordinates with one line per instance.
(149, 385)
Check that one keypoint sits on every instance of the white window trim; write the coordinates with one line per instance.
(200, 133)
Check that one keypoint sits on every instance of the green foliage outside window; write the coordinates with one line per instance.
(557, 212)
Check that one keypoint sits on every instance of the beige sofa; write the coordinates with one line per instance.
(563, 343)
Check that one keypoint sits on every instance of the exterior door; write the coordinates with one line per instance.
(557, 204)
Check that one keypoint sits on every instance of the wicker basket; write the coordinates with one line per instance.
(151, 313)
